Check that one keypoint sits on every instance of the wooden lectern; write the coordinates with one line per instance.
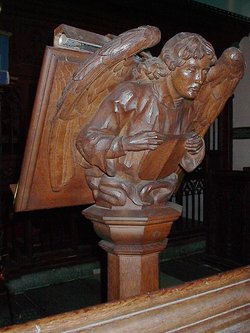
(114, 126)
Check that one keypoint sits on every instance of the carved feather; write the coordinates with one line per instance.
(219, 86)
(108, 66)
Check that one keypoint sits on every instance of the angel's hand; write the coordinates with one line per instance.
(143, 141)
(194, 144)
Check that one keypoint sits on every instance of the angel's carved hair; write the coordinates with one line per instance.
(175, 53)
(153, 68)
(184, 46)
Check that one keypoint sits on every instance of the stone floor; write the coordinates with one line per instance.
(21, 302)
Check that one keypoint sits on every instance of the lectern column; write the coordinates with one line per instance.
(133, 240)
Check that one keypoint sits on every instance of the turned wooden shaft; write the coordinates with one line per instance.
(130, 275)
(133, 241)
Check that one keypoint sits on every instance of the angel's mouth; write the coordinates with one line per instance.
(194, 89)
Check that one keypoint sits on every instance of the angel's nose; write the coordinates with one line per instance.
(199, 77)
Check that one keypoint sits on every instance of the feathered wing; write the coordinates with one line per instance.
(218, 87)
(108, 66)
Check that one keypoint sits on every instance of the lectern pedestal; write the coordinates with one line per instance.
(133, 240)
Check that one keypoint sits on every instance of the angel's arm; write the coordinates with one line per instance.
(99, 140)
(108, 136)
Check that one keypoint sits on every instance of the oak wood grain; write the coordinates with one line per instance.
(220, 303)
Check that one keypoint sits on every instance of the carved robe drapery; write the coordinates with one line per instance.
(130, 107)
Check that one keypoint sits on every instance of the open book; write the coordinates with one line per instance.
(164, 160)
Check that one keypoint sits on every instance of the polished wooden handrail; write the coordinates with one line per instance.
(220, 303)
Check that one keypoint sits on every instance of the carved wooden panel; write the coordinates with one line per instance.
(58, 66)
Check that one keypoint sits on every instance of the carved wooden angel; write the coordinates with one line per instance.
(133, 120)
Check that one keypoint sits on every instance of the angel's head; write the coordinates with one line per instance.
(188, 57)
(186, 45)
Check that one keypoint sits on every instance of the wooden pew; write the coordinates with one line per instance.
(220, 303)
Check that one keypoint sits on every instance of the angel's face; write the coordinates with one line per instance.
(187, 79)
